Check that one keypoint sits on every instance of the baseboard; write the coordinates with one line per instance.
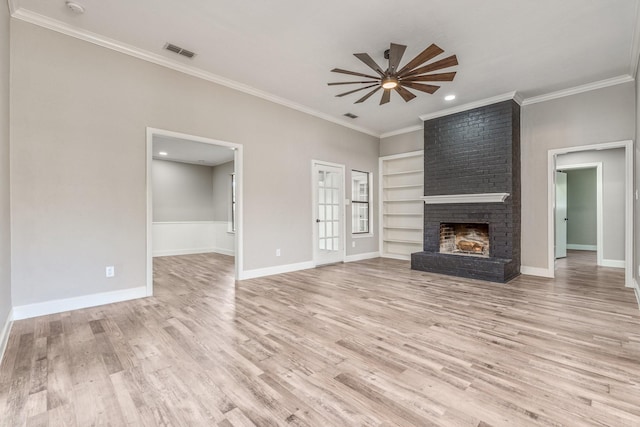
(397, 256)
(4, 334)
(536, 271)
(176, 252)
(575, 247)
(278, 269)
(224, 251)
(613, 263)
(361, 257)
(75, 303)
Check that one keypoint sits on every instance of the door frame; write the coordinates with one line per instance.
(599, 200)
(238, 167)
(628, 214)
(314, 233)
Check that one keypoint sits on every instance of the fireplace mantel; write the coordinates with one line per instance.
(465, 198)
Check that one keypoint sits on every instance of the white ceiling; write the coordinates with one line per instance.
(186, 151)
(287, 48)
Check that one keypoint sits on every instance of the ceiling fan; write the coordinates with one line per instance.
(412, 75)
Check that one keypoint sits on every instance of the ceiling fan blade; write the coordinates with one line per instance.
(386, 96)
(357, 90)
(427, 54)
(404, 93)
(441, 77)
(350, 83)
(395, 56)
(364, 98)
(447, 62)
(353, 73)
(421, 87)
(364, 57)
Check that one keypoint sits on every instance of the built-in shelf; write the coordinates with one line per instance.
(401, 210)
(387, 227)
(408, 242)
(402, 200)
(407, 172)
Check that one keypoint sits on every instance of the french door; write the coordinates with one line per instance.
(328, 210)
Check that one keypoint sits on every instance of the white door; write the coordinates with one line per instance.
(561, 215)
(328, 190)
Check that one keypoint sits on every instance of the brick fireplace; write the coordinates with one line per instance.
(472, 185)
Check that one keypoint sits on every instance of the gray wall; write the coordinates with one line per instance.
(582, 207)
(636, 205)
(5, 229)
(403, 143)
(79, 117)
(222, 191)
(598, 116)
(181, 191)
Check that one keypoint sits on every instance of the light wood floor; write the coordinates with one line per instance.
(370, 343)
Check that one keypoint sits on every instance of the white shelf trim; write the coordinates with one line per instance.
(466, 198)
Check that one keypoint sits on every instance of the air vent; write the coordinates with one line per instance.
(351, 115)
(179, 50)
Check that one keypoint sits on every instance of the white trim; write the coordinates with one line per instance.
(186, 222)
(314, 209)
(4, 334)
(578, 89)
(465, 198)
(75, 303)
(238, 168)
(536, 271)
(402, 131)
(277, 269)
(637, 292)
(614, 263)
(193, 251)
(476, 104)
(13, 6)
(361, 257)
(576, 247)
(551, 194)
(599, 204)
(97, 39)
(635, 44)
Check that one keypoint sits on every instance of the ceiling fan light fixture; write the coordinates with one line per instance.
(389, 82)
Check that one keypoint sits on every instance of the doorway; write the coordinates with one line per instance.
(328, 212)
(185, 172)
(626, 195)
(579, 209)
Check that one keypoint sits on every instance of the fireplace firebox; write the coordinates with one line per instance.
(464, 239)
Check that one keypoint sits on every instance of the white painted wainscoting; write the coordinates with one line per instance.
(192, 237)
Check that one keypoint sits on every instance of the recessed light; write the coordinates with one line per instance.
(449, 97)
(75, 7)
(163, 153)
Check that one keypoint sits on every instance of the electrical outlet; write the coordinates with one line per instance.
(353, 244)
(110, 271)
(277, 252)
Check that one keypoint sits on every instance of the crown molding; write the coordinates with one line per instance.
(97, 39)
(578, 89)
(13, 6)
(635, 45)
(476, 104)
(401, 131)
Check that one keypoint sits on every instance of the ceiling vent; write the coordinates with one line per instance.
(351, 115)
(179, 50)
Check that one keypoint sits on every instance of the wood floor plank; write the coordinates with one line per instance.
(370, 343)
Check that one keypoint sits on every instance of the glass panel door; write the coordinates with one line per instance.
(329, 202)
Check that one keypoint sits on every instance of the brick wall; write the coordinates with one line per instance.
(475, 151)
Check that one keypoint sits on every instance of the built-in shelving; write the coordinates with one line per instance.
(402, 206)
